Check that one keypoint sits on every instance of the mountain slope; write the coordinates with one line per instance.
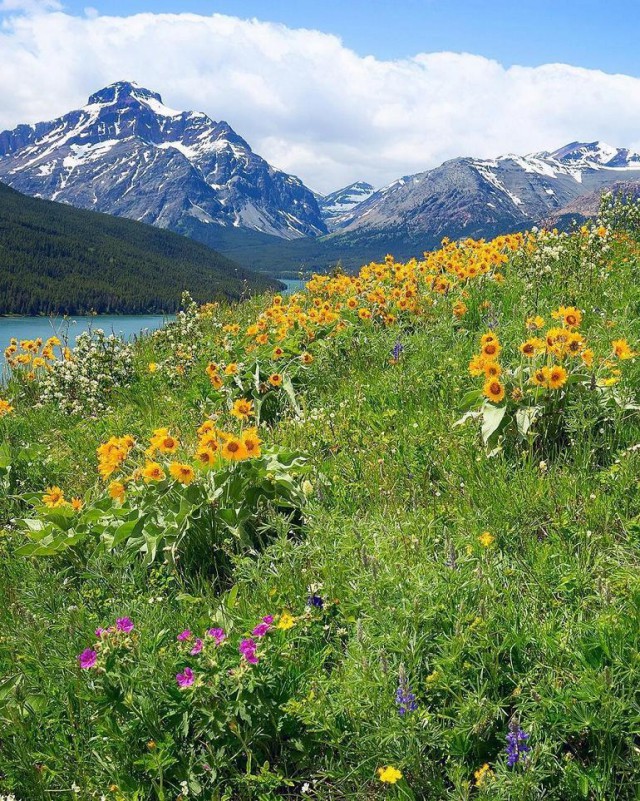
(586, 207)
(54, 258)
(474, 197)
(127, 154)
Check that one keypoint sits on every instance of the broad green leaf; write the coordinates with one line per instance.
(492, 418)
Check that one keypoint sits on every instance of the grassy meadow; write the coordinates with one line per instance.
(375, 540)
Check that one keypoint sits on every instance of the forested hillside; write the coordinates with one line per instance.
(57, 259)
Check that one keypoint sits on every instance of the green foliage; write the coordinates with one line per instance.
(501, 590)
(203, 523)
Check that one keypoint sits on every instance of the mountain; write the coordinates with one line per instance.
(336, 206)
(586, 207)
(127, 154)
(481, 197)
(57, 259)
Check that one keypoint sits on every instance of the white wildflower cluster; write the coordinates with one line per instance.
(181, 338)
(553, 252)
(84, 382)
(620, 212)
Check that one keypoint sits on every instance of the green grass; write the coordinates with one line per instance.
(541, 625)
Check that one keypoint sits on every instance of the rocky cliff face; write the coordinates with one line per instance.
(127, 154)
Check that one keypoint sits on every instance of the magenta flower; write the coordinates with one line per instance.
(88, 658)
(186, 678)
(261, 629)
(197, 647)
(268, 619)
(218, 635)
(184, 635)
(248, 650)
(124, 624)
(100, 631)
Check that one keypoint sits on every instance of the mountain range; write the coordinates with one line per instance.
(127, 154)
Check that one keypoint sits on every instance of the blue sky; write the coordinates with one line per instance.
(296, 79)
(587, 33)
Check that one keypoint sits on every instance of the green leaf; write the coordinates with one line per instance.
(470, 399)
(232, 596)
(492, 420)
(288, 388)
(526, 417)
(5, 455)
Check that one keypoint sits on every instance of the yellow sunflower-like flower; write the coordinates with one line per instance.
(206, 456)
(242, 409)
(251, 442)
(152, 471)
(622, 349)
(183, 473)
(53, 497)
(5, 407)
(117, 490)
(557, 377)
(569, 315)
(493, 390)
(234, 450)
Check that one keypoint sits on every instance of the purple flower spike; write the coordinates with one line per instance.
(184, 635)
(87, 659)
(218, 635)
(124, 624)
(405, 698)
(517, 746)
(186, 678)
(197, 647)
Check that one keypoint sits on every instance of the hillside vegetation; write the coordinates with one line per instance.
(378, 539)
(55, 259)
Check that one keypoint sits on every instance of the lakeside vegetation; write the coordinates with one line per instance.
(378, 539)
(55, 259)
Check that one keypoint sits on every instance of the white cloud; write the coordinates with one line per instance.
(306, 102)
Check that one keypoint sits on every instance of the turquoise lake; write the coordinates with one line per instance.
(68, 328)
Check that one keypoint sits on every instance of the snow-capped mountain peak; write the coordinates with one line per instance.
(336, 205)
(593, 154)
(127, 153)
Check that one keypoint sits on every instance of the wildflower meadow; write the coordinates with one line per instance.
(375, 539)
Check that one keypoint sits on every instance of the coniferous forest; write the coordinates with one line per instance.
(58, 259)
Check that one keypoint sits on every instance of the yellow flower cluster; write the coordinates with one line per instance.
(379, 293)
(53, 498)
(214, 447)
(33, 355)
(113, 453)
(5, 407)
(550, 356)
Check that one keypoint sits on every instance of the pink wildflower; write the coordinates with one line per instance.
(218, 635)
(248, 650)
(88, 658)
(186, 678)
